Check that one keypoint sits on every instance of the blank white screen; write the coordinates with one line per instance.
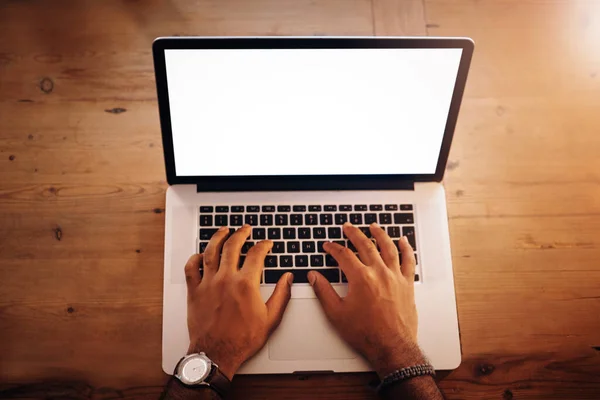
(309, 111)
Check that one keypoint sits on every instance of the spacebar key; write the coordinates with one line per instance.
(273, 275)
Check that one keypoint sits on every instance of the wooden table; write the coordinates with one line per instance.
(82, 191)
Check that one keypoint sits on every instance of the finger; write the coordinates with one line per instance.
(389, 252)
(255, 260)
(345, 258)
(230, 257)
(408, 263)
(366, 249)
(212, 254)
(327, 296)
(279, 300)
(192, 271)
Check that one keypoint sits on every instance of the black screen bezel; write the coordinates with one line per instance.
(304, 182)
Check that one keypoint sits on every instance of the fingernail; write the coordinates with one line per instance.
(347, 223)
(312, 277)
(375, 225)
(404, 239)
(223, 228)
(290, 278)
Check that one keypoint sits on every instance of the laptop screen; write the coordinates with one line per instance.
(354, 111)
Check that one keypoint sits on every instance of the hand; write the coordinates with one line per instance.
(378, 316)
(227, 318)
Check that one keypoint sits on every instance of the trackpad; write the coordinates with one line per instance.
(305, 334)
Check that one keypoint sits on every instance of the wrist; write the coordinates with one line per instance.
(226, 363)
(402, 355)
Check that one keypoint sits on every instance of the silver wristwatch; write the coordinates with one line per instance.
(198, 370)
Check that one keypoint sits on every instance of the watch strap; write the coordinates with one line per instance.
(218, 381)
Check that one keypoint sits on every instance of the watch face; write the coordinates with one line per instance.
(194, 370)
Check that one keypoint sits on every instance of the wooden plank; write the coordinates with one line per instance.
(399, 18)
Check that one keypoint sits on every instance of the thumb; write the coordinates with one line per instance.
(328, 297)
(279, 300)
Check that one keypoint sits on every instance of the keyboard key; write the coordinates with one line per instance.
(314, 208)
(331, 208)
(286, 261)
(393, 231)
(345, 207)
(296, 219)
(271, 262)
(293, 247)
(289, 233)
(341, 219)
(259, 234)
(299, 208)
(281, 219)
(360, 207)
(206, 233)
(303, 233)
(330, 261)
(284, 208)
(274, 233)
(351, 246)
(396, 243)
(252, 209)
(206, 209)
(222, 209)
(311, 219)
(375, 207)
(278, 247)
(320, 248)
(236, 220)
(268, 208)
(409, 232)
(316, 260)
(344, 279)
(231, 231)
(326, 219)
(365, 230)
(206, 220)
(416, 259)
(247, 246)
(242, 261)
(406, 207)
(237, 209)
(417, 278)
(331, 274)
(334, 232)
(202, 247)
(221, 220)
(403, 218)
(385, 218)
(391, 207)
(308, 247)
(301, 261)
(319, 233)
(251, 219)
(356, 219)
(273, 275)
(370, 218)
(266, 219)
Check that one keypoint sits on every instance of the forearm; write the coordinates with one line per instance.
(417, 388)
(177, 391)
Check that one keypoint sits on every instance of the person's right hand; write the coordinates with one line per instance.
(378, 316)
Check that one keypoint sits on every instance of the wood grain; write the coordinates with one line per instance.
(82, 192)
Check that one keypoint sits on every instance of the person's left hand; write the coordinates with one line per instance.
(227, 318)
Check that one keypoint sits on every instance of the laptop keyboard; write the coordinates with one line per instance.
(298, 232)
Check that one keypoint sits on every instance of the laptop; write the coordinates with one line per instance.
(295, 136)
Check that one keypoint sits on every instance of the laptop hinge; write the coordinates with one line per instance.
(258, 186)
